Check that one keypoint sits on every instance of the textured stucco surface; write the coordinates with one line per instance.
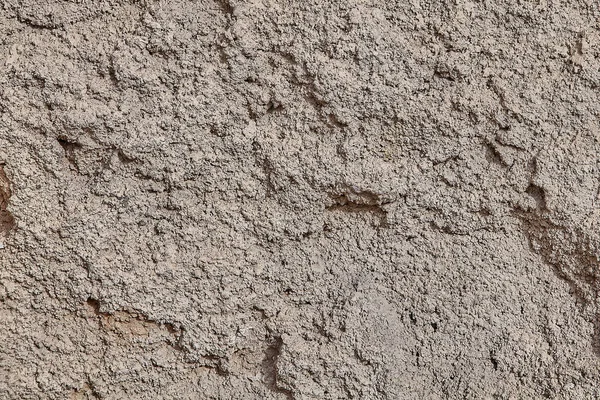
(299, 199)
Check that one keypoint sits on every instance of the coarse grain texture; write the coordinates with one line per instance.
(299, 200)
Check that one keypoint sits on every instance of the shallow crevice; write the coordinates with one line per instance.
(572, 256)
(269, 171)
(7, 221)
(269, 367)
(352, 201)
(123, 318)
(493, 155)
(70, 147)
(359, 205)
(539, 195)
(494, 360)
(226, 7)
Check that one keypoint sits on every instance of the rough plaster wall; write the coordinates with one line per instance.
(299, 199)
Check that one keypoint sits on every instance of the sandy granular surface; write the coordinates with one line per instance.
(299, 200)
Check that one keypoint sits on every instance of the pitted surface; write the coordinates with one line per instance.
(299, 200)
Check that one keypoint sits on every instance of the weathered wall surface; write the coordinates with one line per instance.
(299, 200)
